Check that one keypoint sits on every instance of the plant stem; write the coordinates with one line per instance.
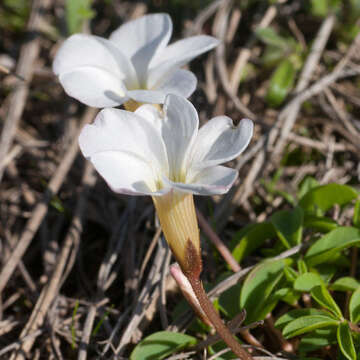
(215, 319)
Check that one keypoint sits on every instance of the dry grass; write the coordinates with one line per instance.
(84, 272)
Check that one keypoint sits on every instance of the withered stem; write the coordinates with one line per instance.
(215, 319)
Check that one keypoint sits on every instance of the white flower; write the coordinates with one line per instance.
(134, 64)
(167, 157)
(145, 153)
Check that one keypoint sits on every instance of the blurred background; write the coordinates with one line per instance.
(85, 272)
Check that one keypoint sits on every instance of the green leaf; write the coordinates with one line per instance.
(317, 339)
(249, 240)
(288, 226)
(326, 196)
(229, 301)
(57, 204)
(326, 272)
(281, 83)
(356, 216)
(319, 7)
(287, 295)
(345, 341)
(302, 266)
(306, 324)
(354, 306)
(258, 287)
(323, 297)
(307, 281)
(272, 55)
(346, 283)
(77, 11)
(14, 14)
(296, 314)
(290, 274)
(306, 185)
(319, 223)
(331, 244)
(160, 345)
(270, 37)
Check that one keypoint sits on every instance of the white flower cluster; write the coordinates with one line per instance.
(149, 151)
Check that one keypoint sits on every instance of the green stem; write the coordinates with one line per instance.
(215, 319)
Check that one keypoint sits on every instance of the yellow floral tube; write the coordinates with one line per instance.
(176, 212)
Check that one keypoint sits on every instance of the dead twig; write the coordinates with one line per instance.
(40, 210)
(25, 68)
(50, 291)
(220, 246)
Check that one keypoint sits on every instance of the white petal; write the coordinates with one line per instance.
(219, 141)
(94, 86)
(151, 114)
(147, 96)
(140, 39)
(179, 130)
(178, 54)
(88, 50)
(210, 181)
(120, 130)
(180, 82)
(126, 173)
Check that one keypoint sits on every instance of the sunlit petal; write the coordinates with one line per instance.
(120, 130)
(210, 181)
(142, 38)
(178, 54)
(179, 130)
(126, 173)
(219, 141)
(180, 82)
(147, 96)
(93, 51)
(94, 86)
(152, 114)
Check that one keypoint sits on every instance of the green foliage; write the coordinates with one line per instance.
(316, 270)
(296, 314)
(346, 283)
(356, 217)
(312, 272)
(14, 14)
(288, 226)
(322, 198)
(229, 301)
(317, 339)
(258, 287)
(281, 83)
(323, 297)
(306, 282)
(308, 323)
(319, 223)
(161, 344)
(251, 238)
(354, 307)
(77, 11)
(270, 37)
(73, 320)
(331, 244)
(322, 8)
(284, 54)
(306, 185)
(345, 340)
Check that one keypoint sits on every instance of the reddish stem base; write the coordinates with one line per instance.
(215, 319)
